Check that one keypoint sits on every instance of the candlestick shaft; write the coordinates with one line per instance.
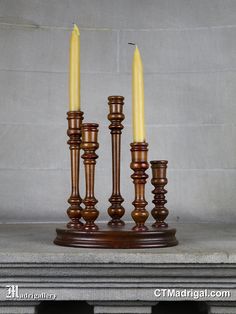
(89, 145)
(116, 116)
(159, 180)
(74, 132)
(139, 165)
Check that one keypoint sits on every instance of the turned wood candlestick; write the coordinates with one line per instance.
(74, 132)
(139, 165)
(90, 145)
(116, 116)
(159, 180)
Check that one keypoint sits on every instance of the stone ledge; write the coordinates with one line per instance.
(204, 259)
(198, 244)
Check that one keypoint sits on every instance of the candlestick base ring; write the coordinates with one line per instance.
(122, 237)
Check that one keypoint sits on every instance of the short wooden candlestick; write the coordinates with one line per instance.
(75, 119)
(89, 145)
(139, 165)
(116, 116)
(159, 180)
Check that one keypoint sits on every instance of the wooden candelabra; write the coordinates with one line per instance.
(116, 233)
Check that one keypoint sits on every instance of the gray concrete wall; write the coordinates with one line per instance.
(189, 56)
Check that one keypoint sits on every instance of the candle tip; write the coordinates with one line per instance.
(133, 44)
(76, 29)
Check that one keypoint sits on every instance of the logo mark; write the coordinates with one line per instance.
(12, 291)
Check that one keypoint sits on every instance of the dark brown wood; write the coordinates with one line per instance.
(123, 237)
(116, 116)
(139, 165)
(90, 145)
(159, 180)
(74, 132)
(114, 235)
(110, 236)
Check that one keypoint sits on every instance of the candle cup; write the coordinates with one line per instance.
(75, 119)
(116, 116)
(139, 165)
(90, 145)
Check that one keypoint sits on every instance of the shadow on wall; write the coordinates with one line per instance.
(77, 307)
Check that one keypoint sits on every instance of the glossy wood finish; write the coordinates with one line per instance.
(139, 165)
(75, 119)
(115, 234)
(123, 237)
(90, 145)
(126, 236)
(116, 116)
(159, 180)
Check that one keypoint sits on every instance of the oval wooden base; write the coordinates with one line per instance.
(122, 237)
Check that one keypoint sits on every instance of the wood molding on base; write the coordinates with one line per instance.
(122, 237)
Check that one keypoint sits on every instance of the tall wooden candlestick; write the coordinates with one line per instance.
(116, 116)
(74, 132)
(159, 180)
(90, 145)
(139, 165)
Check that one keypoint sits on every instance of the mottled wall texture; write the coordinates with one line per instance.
(189, 55)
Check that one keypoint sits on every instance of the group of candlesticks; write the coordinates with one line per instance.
(89, 145)
(85, 136)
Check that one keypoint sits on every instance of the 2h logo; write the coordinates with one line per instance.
(12, 292)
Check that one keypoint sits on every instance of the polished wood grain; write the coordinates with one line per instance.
(75, 119)
(116, 116)
(115, 234)
(90, 145)
(122, 237)
(139, 165)
(159, 180)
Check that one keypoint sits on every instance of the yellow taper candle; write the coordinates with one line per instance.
(138, 98)
(74, 79)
